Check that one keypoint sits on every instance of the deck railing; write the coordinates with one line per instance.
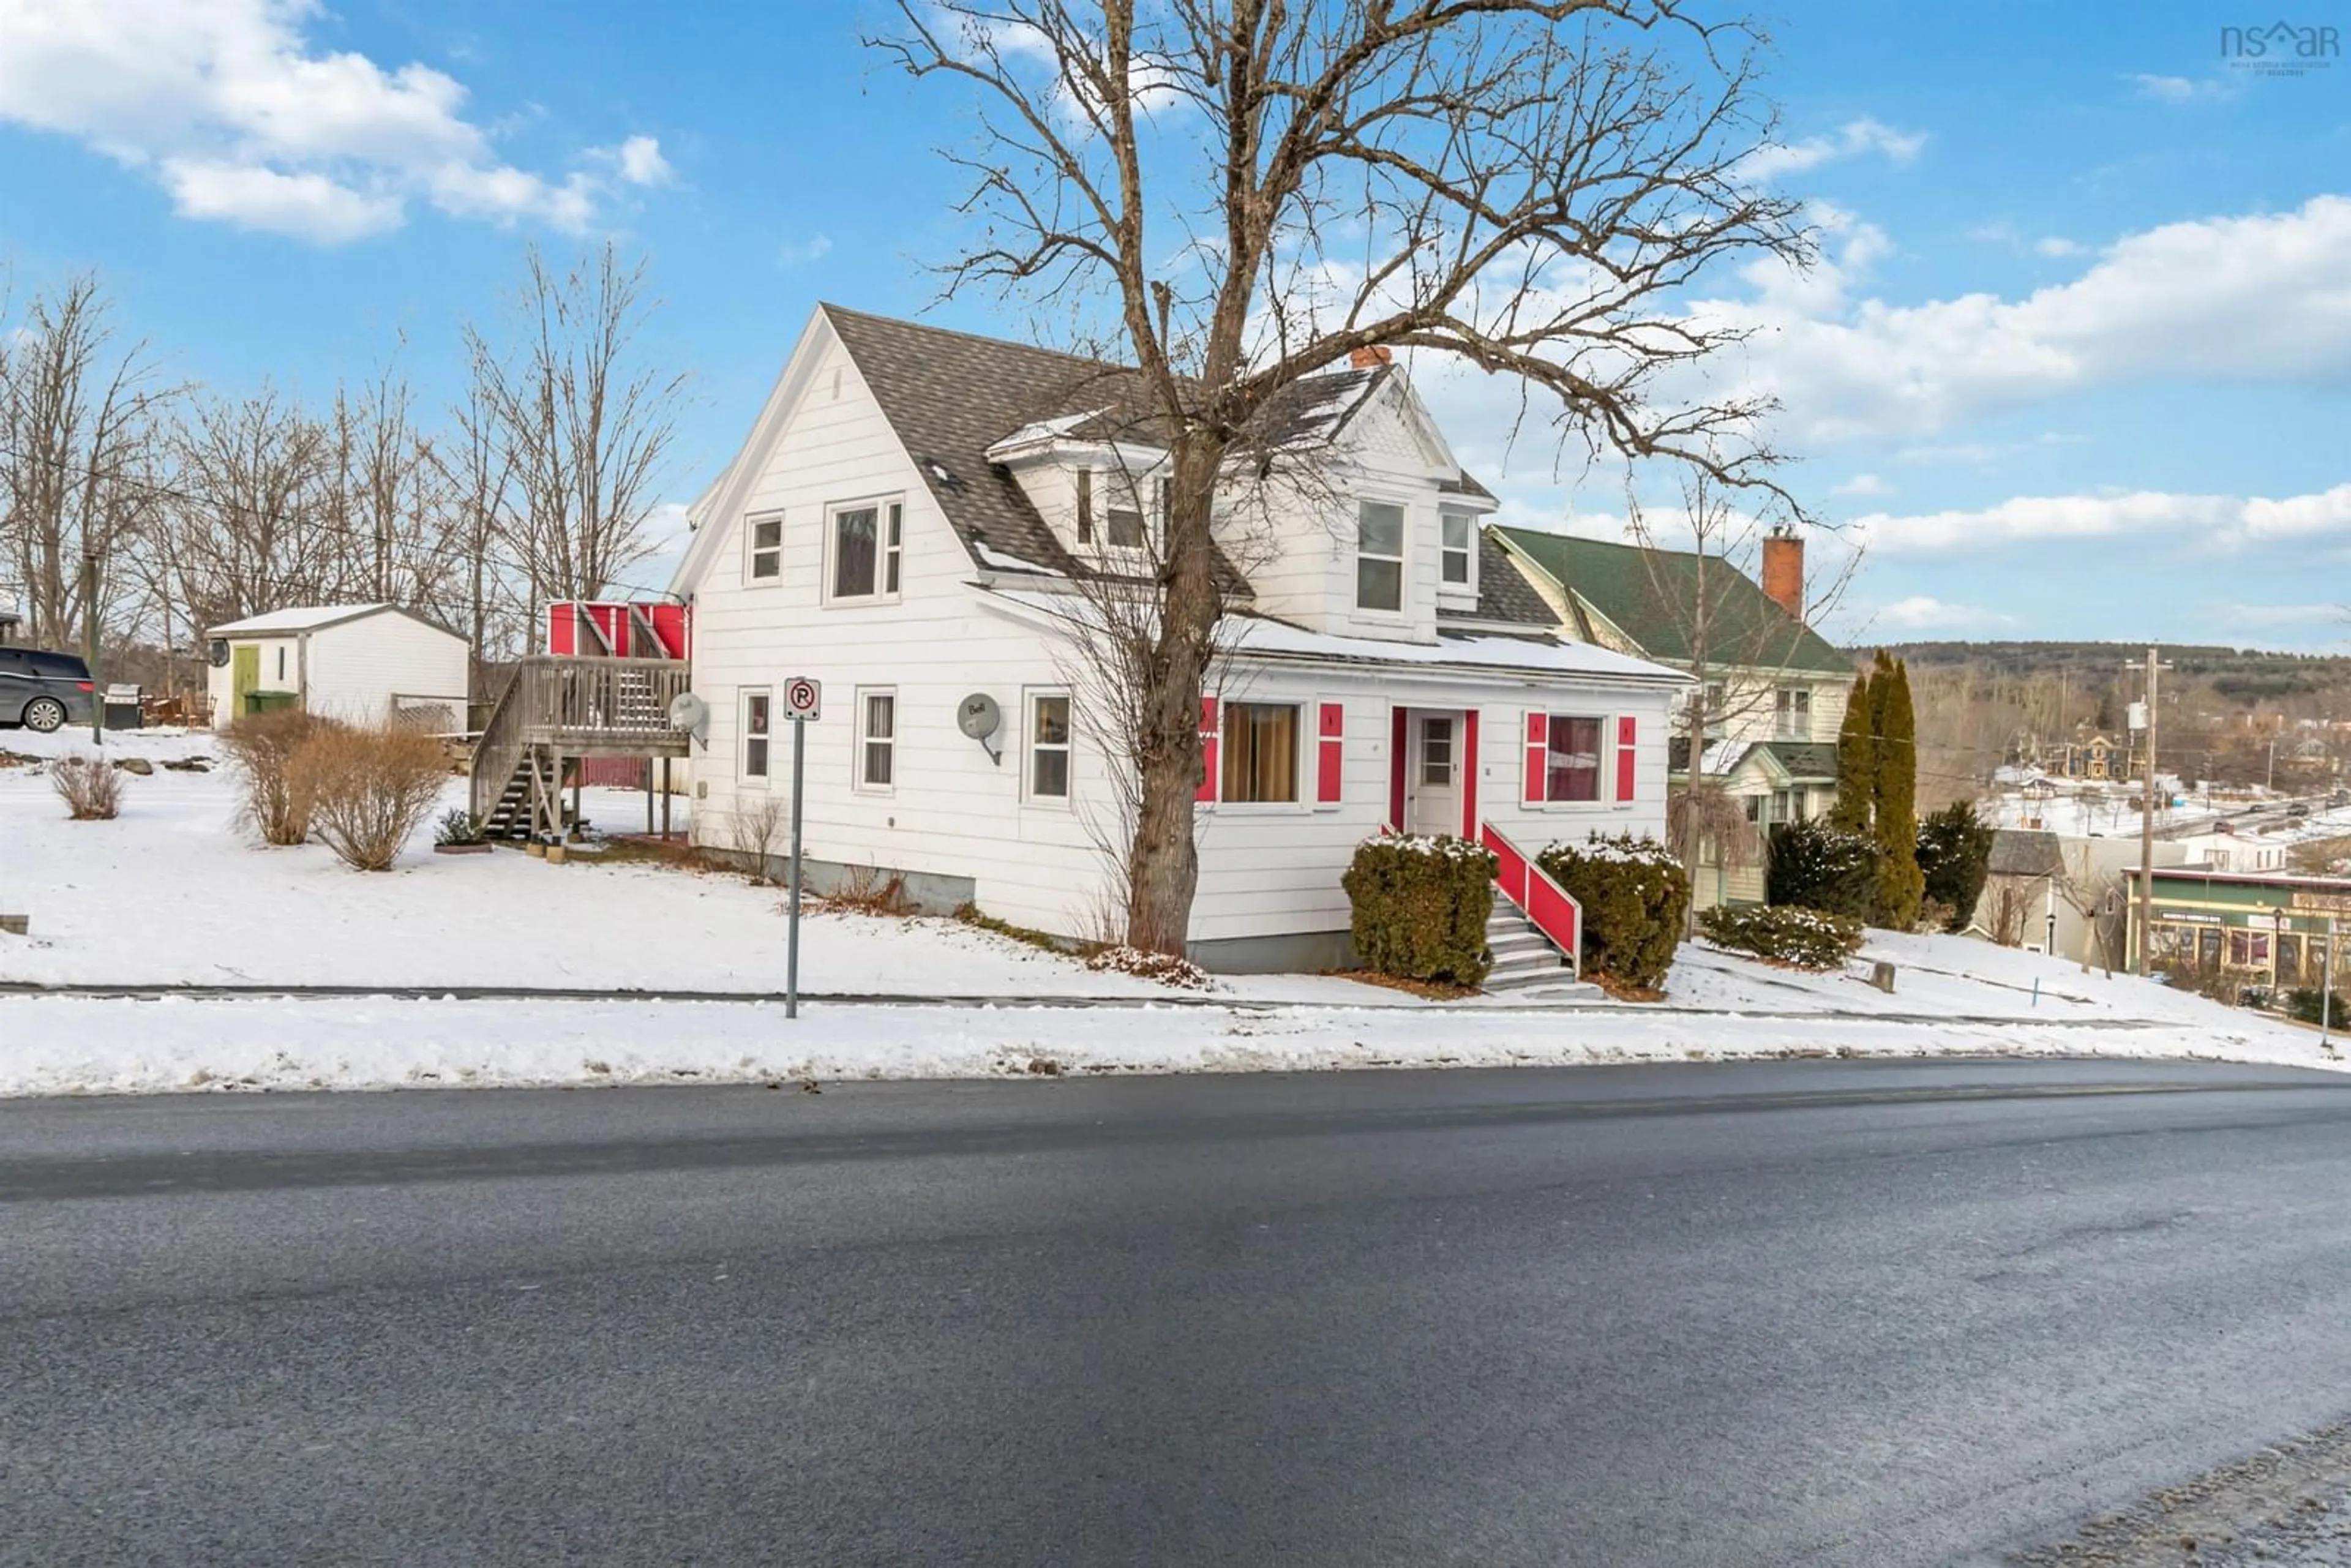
(599, 705)
(1547, 906)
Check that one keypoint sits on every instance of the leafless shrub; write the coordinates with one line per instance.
(755, 828)
(92, 789)
(369, 789)
(264, 746)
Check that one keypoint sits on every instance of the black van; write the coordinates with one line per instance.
(44, 691)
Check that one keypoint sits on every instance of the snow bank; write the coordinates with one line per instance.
(76, 1046)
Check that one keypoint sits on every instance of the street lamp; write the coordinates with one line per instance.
(2277, 948)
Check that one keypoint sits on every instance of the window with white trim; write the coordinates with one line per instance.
(756, 730)
(1260, 752)
(1793, 709)
(877, 739)
(1572, 759)
(864, 540)
(1459, 540)
(765, 541)
(1048, 746)
(1379, 555)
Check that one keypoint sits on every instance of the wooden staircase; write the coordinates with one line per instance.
(557, 711)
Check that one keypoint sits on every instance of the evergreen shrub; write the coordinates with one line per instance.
(1421, 903)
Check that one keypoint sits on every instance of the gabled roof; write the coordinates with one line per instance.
(2022, 851)
(1503, 592)
(1813, 761)
(310, 617)
(1646, 593)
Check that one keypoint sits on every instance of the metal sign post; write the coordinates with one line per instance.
(2326, 988)
(803, 704)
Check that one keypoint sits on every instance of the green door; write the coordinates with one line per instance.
(244, 674)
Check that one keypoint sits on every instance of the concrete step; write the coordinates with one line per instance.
(1524, 944)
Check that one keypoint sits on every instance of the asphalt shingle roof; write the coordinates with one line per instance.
(2022, 851)
(1503, 592)
(1646, 593)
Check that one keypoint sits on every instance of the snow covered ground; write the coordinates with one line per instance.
(171, 892)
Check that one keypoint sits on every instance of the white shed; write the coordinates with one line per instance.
(365, 663)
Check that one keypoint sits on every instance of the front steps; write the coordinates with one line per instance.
(1523, 955)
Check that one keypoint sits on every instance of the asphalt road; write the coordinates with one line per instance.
(1799, 1312)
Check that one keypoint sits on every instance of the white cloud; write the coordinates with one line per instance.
(796, 251)
(1923, 612)
(1856, 138)
(2221, 521)
(243, 120)
(2257, 299)
(642, 163)
(2180, 89)
(1862, 485)
(2283, 614)
(2057, 244)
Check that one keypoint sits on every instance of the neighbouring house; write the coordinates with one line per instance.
(940, 527)
(366, 664)
(9, 622)
(2094, 756)
(1774, 690)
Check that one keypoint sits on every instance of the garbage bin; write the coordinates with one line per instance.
(122, 711)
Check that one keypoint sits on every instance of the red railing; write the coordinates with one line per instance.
(1549, 906)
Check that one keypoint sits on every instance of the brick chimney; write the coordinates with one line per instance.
(1783, 570)
(1370, 359)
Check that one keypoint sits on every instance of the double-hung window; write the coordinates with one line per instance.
(865, 545)
(755, 735)
(1048, 746)
(877, 739)
(1260, 752)
(1572, 759)
(1794, 709)
(1379, 555)
(1457, 544)
(766, 552)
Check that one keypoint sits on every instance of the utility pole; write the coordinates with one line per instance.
(2146, 830)
(90, 646)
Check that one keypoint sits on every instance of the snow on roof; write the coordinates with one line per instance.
(301, 618)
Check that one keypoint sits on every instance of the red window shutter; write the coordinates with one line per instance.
(1207, 790)
(1627, 727)
(1538, 758)
(1331, 752)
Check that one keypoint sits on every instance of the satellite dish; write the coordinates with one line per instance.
(216, 652)
(688, 712)
(978, 717)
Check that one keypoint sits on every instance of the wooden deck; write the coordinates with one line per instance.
(558, 710)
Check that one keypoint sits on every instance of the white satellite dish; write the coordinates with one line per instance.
(688, 712)
(978, 717)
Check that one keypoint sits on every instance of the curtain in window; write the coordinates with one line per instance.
(1260, 751)
(1572, 763)
(855, 542)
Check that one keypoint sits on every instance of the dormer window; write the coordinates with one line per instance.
(1379, 555)
(1458, 534)
(1085, 505)
(1123, 527)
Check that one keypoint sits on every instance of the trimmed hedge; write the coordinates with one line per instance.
(1635, 898)
(1804, 937)
(1421, 905)
(1816, 866)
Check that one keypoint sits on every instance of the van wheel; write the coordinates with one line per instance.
(45, 715)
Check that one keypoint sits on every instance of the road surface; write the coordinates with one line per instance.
(1813, 1312)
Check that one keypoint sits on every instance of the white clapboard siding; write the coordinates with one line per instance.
(357, 667)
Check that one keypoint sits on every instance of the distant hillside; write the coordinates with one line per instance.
(2244, 675)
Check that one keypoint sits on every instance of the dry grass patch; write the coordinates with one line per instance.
(264, 745)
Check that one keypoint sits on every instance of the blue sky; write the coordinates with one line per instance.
(2079, 363)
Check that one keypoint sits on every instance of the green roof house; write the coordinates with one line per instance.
(1774, 690)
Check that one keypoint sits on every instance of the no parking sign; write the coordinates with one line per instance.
(803, 698)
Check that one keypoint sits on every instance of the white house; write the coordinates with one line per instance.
(363, 663)
(921, 518)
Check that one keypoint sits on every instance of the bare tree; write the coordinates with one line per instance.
(252, 478)
(473, 471)
(582, 430)
(80, 421)
(1518, 183)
